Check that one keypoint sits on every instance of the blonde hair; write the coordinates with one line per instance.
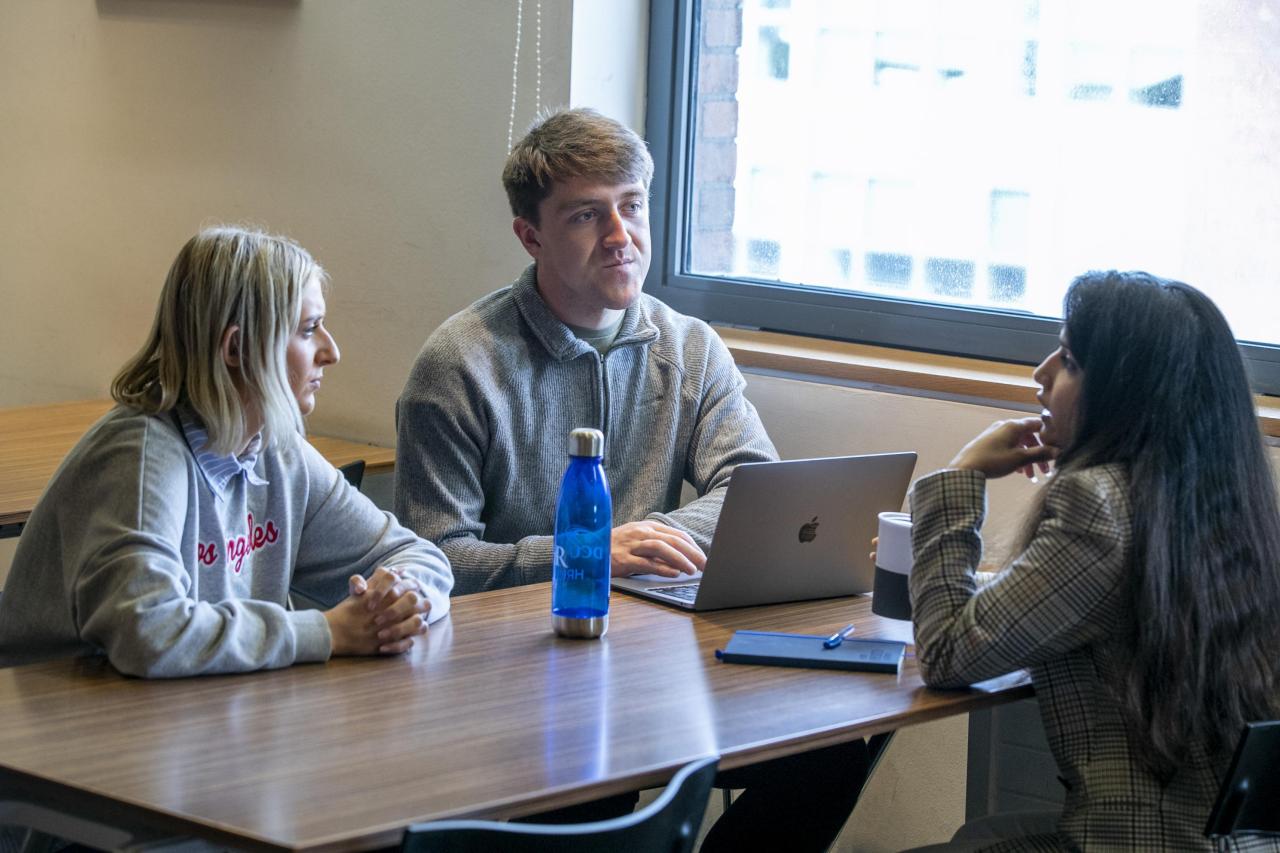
(578, 143)
(224, 277)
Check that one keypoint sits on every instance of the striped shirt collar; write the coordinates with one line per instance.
(218, 470)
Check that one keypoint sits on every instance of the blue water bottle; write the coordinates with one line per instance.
(584, 529)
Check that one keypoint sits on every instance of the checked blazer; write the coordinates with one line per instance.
(1055, 610)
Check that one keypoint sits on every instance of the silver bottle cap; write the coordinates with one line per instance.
(586, 442)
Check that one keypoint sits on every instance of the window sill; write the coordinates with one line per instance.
(910, 372)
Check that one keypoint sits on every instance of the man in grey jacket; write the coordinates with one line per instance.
(484, 419)
(486, 413)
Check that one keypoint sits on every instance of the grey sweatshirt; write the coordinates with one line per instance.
(129, 553)
(484, 420)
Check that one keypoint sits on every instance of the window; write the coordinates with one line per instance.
(933, 173)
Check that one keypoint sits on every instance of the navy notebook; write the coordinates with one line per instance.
(774, 649)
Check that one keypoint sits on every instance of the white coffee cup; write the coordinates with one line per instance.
(892, 596)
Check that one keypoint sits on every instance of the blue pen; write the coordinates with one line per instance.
(838, 637)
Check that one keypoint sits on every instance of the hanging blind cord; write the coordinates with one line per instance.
(515, 67)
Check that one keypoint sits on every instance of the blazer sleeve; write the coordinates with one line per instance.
(1062, 592)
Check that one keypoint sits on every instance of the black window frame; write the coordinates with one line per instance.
(817, 312)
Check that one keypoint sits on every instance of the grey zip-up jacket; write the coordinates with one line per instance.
(484, 420)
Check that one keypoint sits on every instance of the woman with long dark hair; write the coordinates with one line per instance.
(1144, 599)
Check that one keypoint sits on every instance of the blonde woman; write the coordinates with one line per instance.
(172, 534)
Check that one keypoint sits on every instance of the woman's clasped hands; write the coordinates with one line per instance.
(382, 614)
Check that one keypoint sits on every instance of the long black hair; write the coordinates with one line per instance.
(1164, 392)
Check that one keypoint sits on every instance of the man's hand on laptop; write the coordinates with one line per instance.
(650, 547)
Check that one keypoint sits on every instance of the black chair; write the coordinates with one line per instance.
(1249, 797)
(33, 828)
(669, 823)
(354, 472)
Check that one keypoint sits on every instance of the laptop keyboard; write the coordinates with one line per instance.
(683, 592)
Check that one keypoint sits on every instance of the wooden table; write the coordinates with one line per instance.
(491, 715)
(34, 440)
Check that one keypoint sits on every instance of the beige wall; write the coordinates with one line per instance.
(374, 133)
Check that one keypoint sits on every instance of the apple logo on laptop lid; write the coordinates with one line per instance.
(809, 530)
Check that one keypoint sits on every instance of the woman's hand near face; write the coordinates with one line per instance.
(1005, 447)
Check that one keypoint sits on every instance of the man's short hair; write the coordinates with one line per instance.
(578, 143)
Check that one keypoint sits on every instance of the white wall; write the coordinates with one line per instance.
(610, 57)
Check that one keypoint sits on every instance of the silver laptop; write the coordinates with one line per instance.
(790, 531)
